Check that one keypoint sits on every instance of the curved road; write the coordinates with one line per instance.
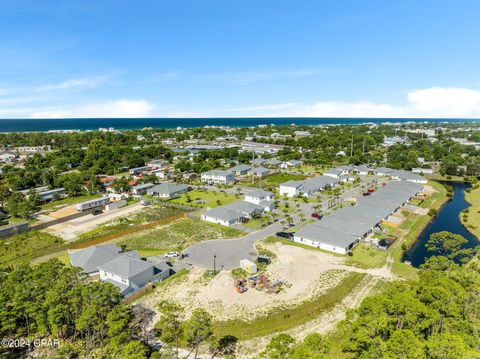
(228, 252)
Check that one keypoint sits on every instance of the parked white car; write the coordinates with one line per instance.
(171, 255)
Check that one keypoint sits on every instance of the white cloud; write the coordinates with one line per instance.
(445, 102)
(117, 108)
(77, 83)
(434, 102)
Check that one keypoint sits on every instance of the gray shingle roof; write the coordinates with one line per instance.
(345, 225)
(259, 171)
(240, 168)
(259, 193)
(244, 207)
(126, 266)
(224, 214)
(90, 258)
(167, 188)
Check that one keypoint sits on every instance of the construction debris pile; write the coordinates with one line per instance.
(260, 282)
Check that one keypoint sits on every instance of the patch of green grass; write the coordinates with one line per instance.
(22, 248)
(204, 199)
(176, 236)
(366, 256)
(280, 319)
(147, 215)
(472, 223)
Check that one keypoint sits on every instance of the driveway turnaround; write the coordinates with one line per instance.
(227, 253)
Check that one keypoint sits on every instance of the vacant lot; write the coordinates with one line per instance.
(22, 248)
(176, 236)
(283, 318)
(204, 199)
(142, 217)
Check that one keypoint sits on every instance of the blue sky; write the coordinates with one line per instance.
(125, 58)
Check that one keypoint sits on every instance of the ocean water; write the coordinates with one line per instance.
(30, 125)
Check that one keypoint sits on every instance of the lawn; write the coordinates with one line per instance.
(22, 248)
(280, 319)
(472, 223)
(204, 199)
(176, 236)
(366, 256)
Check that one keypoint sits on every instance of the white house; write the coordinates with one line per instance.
(291, 164)
(259, 172)
(141, 188)
(262, 198)
(408, 176)
(224, 216)
(240, 169)
(291, 188)
(138, 170)
(425, 171)
(128, 273)
(166, 190)
(218, 177)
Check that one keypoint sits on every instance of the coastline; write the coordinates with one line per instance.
(94, 124)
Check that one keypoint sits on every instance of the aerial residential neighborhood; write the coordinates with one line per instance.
(199, 179)
(247, 224)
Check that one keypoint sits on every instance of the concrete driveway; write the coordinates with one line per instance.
(228, 252)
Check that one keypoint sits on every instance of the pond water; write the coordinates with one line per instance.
(448, 219)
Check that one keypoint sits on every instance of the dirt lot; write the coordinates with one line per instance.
(71, 229)
(307, 273)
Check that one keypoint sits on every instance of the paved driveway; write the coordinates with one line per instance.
(228, 252)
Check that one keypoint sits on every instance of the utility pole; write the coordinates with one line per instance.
(363, 149)
(214, 264)
(351, 148)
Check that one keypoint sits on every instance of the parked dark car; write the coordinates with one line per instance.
(284, 235)
(97, 212)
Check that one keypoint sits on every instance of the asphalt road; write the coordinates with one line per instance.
(228, 252)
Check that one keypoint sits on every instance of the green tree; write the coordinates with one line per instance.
(447, 244)
(170, 323)
(314, 346)
(279, 347)
(198, 329)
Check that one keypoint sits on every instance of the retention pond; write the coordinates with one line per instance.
(448, 219)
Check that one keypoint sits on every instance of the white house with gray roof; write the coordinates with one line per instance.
(408, 176)
(126, 270)
(307, 187)
(240, 170)
(343, 229)
(167, 190)
(291, 164)
(128, 273)
(224, 216)
(257, 161)
(140, 189)
(218, 177)
(259, 171)
(262, 198)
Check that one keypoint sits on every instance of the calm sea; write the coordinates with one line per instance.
(29, 125)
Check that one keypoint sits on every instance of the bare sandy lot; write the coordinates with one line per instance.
(71, 229)
(307, 273)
